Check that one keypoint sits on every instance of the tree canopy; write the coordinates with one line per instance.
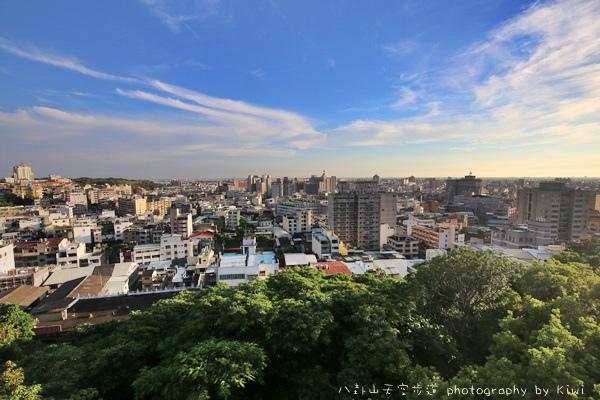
(469, 319)
(143, 183)
(15, 325)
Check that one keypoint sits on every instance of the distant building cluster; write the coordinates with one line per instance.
(70, 244)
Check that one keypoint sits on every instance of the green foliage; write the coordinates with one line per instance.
(244, 228)
(113, 250)
(464, 319)
(15, 326)
(231, 242)
(143, 183)
(12, 200)
(555, 279)
(588, 252)
(86, 394)
(209, 370)
(265, 241)
(12, 387)
(60, 368)
(465, 292)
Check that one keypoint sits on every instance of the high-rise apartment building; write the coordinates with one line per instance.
(288, 186)
(320, 184)
(251, 186)
(595, 201)
(564, 208)
(261, 184)
(232, 218)
(467, 186)
(363, 217)
(300, 221)
(277, 189)
(21, 173)
(181, 223)
(132, 205)
(158, 206)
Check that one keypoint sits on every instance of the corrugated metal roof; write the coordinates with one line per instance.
(62, 275)
(58, 300)
(24, 296)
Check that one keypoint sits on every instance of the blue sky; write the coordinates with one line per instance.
(217, 88)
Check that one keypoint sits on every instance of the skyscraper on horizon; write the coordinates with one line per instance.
(566, 209)
(467, 186)
(22, 173)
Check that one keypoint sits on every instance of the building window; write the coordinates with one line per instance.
(226, 277)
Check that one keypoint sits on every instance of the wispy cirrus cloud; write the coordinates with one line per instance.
(552, 54)
(407, 97)
(535, 79)
(215, 122)
(399, 49)
(176, 14)
(259, 74)
(35, 54)
(244, 122)
(49, 127)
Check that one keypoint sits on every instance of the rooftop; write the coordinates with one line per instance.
(59, 300)
(332, 267)
(23, 296)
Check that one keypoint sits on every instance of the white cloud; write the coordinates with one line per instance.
(176, 14)
(34, 54)
(554, 60)
(210, 118)
(407, 97)
(535, 80)
(198, 130)
(276, 124)
(259, 73)
(399, 49)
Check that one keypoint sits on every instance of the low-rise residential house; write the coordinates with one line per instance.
(120, 225)
(533, 234)
(145, 253)
(332, 267)
(70, 254)
(174, 246)
(298, 222)
(405, 245)
(234, 269)
(299, 260)
(324, 244)
(441, 236)
(148, 279)
(37, 253)
(7, 258)
(23, 276)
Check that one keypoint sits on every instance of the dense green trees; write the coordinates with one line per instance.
(587, 251)
(11, 200)
(466, 292)
(469, 319)
(143, 183)
(15, 329)
(550, 337)
(12, 387)
(15, 325)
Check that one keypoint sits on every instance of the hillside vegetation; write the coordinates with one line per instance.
(469, 320)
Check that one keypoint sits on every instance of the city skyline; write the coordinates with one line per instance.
(203, 89)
